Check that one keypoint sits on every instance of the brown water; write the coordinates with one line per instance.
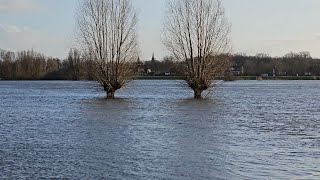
(155, 130)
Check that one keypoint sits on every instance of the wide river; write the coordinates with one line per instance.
(155, 130)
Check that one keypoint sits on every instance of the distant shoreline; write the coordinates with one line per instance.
(234, 78)
(159, 78)
(276, 78)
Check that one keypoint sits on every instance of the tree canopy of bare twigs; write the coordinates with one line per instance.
(107, 32)
(198, 33)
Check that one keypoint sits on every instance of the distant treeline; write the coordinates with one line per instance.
(30, 65)
(291, 64)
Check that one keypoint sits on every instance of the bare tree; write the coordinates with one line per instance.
(75, 64)
(197, 32)
(107, 30)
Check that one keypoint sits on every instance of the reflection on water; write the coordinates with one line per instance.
(155, 130)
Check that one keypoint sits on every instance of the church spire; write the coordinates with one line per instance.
(153, 59)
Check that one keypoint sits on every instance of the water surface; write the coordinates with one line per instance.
(155, 130)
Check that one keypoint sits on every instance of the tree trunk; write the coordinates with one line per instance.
(197, 93)
(110, 94)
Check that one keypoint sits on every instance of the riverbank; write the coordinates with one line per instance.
(277, 78)
(236, 78)
(159, 78)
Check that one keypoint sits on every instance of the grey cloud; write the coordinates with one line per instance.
(16, 38)
(317, 35)
(17, 5)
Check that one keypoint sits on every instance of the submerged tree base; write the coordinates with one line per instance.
(110, 95)
(197, 94)
(110, 88)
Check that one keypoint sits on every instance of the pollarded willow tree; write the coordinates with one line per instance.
(197, 32)
(107, 33)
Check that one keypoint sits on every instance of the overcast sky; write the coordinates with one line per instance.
(274, 27)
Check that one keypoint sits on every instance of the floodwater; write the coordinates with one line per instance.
(155, 130)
